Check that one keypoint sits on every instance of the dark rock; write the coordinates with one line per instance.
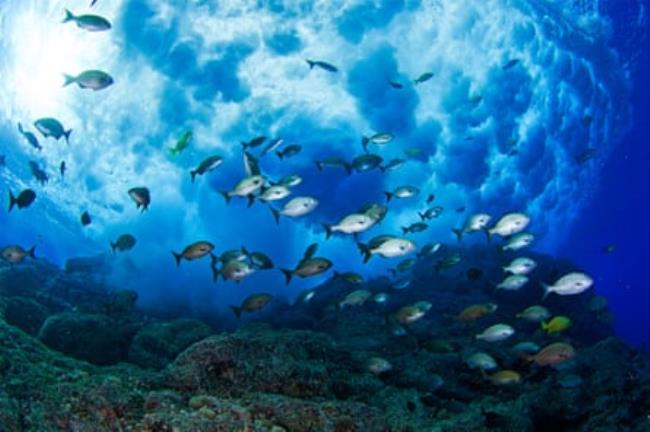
(25, 313)
(94, 338)
(157, 344)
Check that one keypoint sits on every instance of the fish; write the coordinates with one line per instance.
(90, 79)
(520, 266)
(350, 277)
(526, 348)
(429, 249)
(513, 283)
(92, 23)
(386, 246)
(408, 314)
(252, 303)
(296, 207)
(380, 138)
(308, 266)
(290, 180)
(366, 162)
(208, 164)
(51, 127)
(351, 224)
(423, 305)
(85, 219)
(333, 161)
(92, 3)
(123, 243)
(40, 175)
(375, 211)
(481, 360)
(509, 224)
(255, 142)
(413, 152)
(289, 151)
(597, 304)
(476, 222)
(552, 354)
(586, 155)
(402, 192)
(355, 298)
(249, 185)
(503, 377)
(259, 260)
(403, 266)
(380, 297)
(393, 165)
(416, 227)
(424, 77)
(305, 296)
(430, 198)
(570, 284)
(476, 311)
(3, 160)
(535, 313)
(182, 143)
(141, 197)
(321, 64)
(30, 137)
(556, 325)
(272, 146)
(251, 164)
(194, 251)
(62, 169)
(395, 84)
(272, 193)
(510, 64)
(496, 333)
(378, 365)
(518, 241)
(431, 213)
(233, 270)
(401, 284)
(233, 255)
(15, 254)
(24, 199)
(448, 261)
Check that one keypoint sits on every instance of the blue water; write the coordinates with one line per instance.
(230, 72)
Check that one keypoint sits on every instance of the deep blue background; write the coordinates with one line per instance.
(620, 211)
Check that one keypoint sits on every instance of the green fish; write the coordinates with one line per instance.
(182, 143)
(252, 303)
(194, 251)
(93, 23)
(423, 78)
(90, 79)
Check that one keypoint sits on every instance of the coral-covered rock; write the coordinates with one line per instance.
(95, 338)
(157, 344)
(25, 313)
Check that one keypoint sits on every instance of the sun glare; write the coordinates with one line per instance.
(43, 49)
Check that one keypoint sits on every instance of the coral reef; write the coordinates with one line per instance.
(92, 362)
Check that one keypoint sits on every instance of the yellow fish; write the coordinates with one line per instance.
(557, 325)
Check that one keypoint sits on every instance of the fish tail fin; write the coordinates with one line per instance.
(251, 199)
(236, 310)
(68, 16)
(66, 134)
(173, 151)
(30, 252)
(226, 196)
(328, 230)
(405, 230)
(422, 216)
(348, 168)
(193, 175)
(113, 246)
(288, 274)
(12, 200)
(458, 232)
(389, 196)
(244, 144)
(280, 154)
(178, 258)
(20, 128)
(311, 63)
(319, 165)
(68, 79)
(335, 274)
(365, 251)
(547, 290)
(276, 215)
(544, 326)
